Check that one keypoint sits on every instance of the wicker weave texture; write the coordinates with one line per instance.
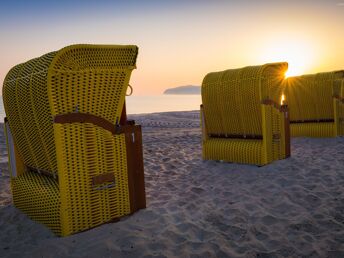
(235, 96)
(233, 150)
(39, 197)
(313, 129)
(82, 204)
(80, 78)
(232, 104)
(28, 111)
(309, 98)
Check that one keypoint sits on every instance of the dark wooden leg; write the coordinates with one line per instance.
(136, 182)
(285, 111)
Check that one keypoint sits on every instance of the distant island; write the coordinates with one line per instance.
(184, 90)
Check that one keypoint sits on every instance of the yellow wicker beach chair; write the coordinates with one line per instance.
(242, 119)
(311, 104)
(75, 161)
(338, 103)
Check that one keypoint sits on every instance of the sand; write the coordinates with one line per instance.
(196, 208)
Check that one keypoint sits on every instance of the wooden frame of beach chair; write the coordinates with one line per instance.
(242, 120)
(311, 104)
(75, 160)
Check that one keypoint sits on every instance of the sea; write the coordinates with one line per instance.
(150, 104)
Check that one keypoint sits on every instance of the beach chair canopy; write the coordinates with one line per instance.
(311, 105)
(79, 78)
(243, 104)
(63, 111)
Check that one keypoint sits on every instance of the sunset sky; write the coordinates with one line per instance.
(180, 41)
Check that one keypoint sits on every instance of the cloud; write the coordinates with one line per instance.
(340, 4)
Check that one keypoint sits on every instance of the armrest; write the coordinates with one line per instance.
(96, 120)
(274, 104)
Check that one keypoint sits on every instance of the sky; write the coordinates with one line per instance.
(180, 41)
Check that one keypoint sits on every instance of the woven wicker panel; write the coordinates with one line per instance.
(42, 110)
(12, 109)
(38, 196)
(27, 108)
(98, 93)
(86, 151)
(232, 98)
(273, 81)
(233, 150)
(25, 114)
(312, 130)
(94, 80)
(309, 97)
(85, 57)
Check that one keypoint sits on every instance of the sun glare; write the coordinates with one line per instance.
(297, 66)
(298, 54)
(293, 72)
(282, 99)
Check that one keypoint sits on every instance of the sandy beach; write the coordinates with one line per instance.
(196, 208)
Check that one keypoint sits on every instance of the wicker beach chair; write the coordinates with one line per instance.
(75, 161)
(311, 104)
(242, 119)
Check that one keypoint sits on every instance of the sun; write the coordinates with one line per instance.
(299, 55)
(297, 66)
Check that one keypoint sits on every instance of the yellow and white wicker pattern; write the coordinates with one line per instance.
(311, 104)
(232, 106)
(90, 79)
